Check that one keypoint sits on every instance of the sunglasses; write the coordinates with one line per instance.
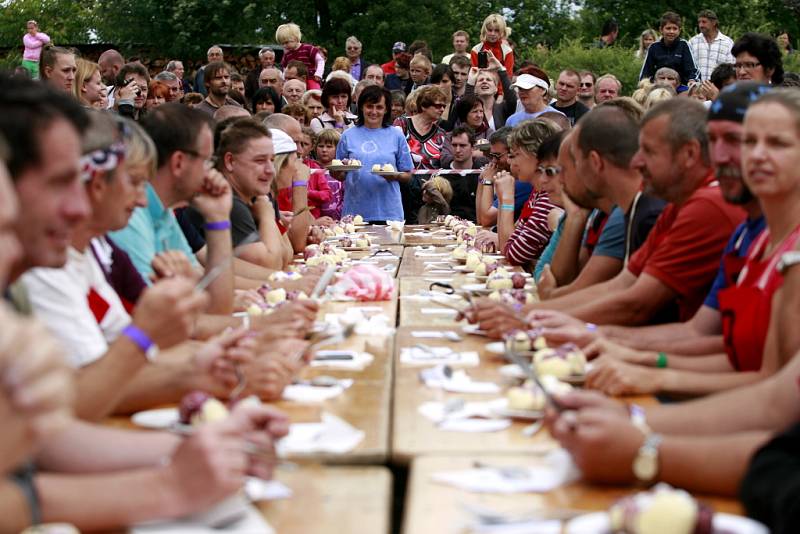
(586, 84)
(549, 171)
(495, 155)
(439, 106)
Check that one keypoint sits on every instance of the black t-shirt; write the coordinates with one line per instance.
(645, 212)
(242, 223)
(573, 112)
(464, 190)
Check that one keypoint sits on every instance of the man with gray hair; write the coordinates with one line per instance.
(266, 60)
(173, 83)
(710, 47)
(175, 66)
(353, 52)
(214, 54)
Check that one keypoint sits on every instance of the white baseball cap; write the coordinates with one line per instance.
(528, 81)
(282, 142)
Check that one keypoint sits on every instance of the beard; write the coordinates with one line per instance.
(730, 173)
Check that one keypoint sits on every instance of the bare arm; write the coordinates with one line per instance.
(771, 405)
(634, 305)
(620, 282)
(112, 449)
(714, 465)
(486, 214)
(15, 515)
(597, 270)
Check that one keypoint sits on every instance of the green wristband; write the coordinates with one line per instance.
(661, 362)
(507, 207)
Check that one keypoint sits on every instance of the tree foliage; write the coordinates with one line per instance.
(186, 28)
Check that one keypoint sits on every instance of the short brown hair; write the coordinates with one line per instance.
(234, 138)
(670, 17)
(429, 95)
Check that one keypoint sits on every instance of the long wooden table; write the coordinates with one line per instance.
(434, 507)
(384, 401)
(351, 500)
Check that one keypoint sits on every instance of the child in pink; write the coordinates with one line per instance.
(289, 36)
(319, 193)
(326, 143)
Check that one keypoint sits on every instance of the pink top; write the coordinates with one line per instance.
(33, 45)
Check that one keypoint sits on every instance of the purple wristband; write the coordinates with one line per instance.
(300, 183)
(137, 335)
(218, 225)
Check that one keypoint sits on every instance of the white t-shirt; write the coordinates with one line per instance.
(78, 305)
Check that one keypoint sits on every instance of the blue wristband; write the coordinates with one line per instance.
(218, 225)
(507, 207)
(300, 183)
(142, 340)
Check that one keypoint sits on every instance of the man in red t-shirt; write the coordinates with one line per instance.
(677, 263)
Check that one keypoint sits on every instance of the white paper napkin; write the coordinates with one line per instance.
(306, 393)
(458, 382)
(472, 417)
(258, 489)
(439, 279)
(444, 355)
(360, 361)
(556, 469)
(250, 521)
(428, 334)
(438, 311)
(428, 254)
(332, 435)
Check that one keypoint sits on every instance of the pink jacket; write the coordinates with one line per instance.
(33, 45)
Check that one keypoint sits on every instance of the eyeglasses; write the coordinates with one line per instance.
(208, 163)
(555, 170)
(495, 155)
(586, 84)
(746, 65)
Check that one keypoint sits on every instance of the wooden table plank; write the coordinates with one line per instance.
(414, 435)
(352, 500)
(433, 507)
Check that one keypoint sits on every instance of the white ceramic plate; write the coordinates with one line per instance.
(496, 347)
(513, 371)
(597, 523)
(160, 418)
(502, 410)
(390, 174)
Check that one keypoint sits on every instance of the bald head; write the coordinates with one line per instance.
(285, 123)
(226, 112)
(110, 62)
(293, 91)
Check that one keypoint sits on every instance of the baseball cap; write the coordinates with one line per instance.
(399, 46)
(282, 142)
(527, 81)
(733, 101)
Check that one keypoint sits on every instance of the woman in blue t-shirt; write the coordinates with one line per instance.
(373, 141)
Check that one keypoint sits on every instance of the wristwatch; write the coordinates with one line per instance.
(645, 465)
(788, 259)
(486, 181)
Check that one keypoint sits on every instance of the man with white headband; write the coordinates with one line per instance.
(533, 95)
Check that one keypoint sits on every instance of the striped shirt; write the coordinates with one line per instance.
(529, 239)
(709, 55)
